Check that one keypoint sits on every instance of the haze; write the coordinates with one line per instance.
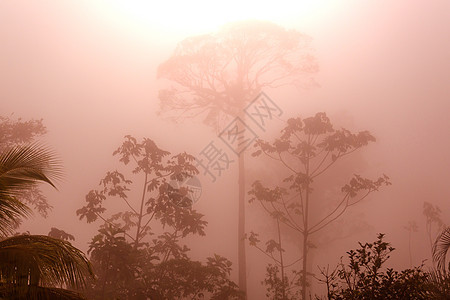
(88, 69)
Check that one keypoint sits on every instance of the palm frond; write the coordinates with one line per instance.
(438, 285)
(11, 213)
(20, 168)
(14, 292)
(441, 247)
(23, 166)
(42, 260)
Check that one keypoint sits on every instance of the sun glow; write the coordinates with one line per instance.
(198, 16)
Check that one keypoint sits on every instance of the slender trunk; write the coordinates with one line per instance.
(242, 264)
(309, 265)
(305, 255)
(138, 229)
(409, 246)
(306, 229)
(241, 227)
(283, 283)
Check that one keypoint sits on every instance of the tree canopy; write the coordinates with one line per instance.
(218, 74)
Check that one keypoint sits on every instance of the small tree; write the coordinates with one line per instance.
(307, 148)
(131, 260)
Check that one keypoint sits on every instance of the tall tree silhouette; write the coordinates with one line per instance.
(217, 75)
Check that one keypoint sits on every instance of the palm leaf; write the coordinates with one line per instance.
(14, 292)
(23, 166)
(11, 212)
(441, 247)
(439, 285)
(20, 168)
(42, 260)
(29, 264)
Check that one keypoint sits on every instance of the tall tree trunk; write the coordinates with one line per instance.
(242, 264)
(306, 228)
(141, 213)
(409, 247)
(310, 263)
(283, 282)
(304, 273)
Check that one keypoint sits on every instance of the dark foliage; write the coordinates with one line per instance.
(138, 251)
(366, 277)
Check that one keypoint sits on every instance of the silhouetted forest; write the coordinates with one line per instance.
(242, 163)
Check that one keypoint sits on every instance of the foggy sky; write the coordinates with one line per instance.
(384, 67)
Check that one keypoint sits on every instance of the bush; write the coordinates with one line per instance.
(364, 277)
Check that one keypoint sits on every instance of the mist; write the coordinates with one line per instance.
(93, 72)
